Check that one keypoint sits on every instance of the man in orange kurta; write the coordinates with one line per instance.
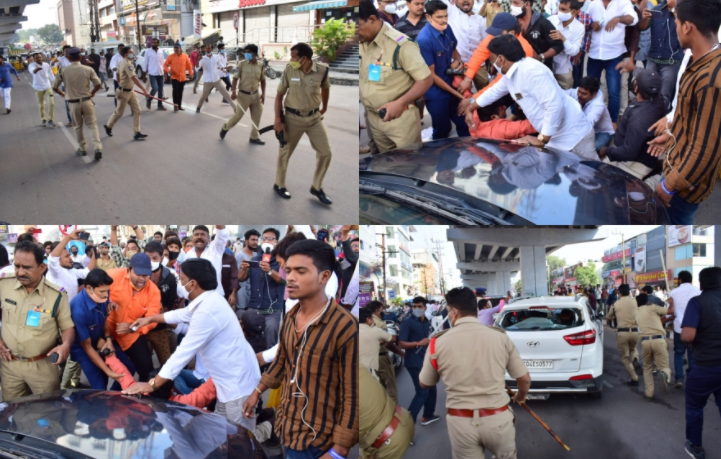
(176, 64)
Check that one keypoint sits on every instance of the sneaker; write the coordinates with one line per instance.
(162, 108)
(8, 111)
(679, 384)
(696, 452)
(98, 155)
(663, 381)
(431, 420)
(631, 382)
(80, 152)
(197, 110)
(51, 124)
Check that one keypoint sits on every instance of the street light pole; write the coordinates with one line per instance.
(137, 25)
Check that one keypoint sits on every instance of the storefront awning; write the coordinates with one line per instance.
(321, 5)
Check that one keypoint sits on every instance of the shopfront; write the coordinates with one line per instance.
(654, 278)
(155, 21)
(339, 9)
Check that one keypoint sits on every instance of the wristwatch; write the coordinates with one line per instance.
(543, 58)
(543, 139)
(152, 384)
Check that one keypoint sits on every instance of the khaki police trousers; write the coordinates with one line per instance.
(397, 444)
(84, 113)
(71, 375)
(654, 350)
(23, 378)
(256, 109)
(470, 437)
(626, 343)
(480, 79)
(51, 104)
(387, 374)
(220, 86)
(126, 98)
(295, 127)
(397, 133)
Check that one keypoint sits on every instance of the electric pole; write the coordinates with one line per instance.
(137, 26)
(383, 254)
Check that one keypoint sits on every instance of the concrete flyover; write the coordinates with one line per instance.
(11, 16)
(488, 256)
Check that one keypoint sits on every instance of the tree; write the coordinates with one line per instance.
(555, 262)
(331, 36)
(587, 275)
(50, 34)
(519, 286)
(25, 34)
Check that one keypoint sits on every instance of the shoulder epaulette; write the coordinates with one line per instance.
(10, 275)
(440, 333)
(54, 286)
(497, 329)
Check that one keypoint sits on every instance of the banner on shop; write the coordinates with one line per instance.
(616, 256)
(569, 272)
(640, 260)
(197, 23)
(130, 4)
(154, 29)
(365, 293)
(656, 276)
(679, 234)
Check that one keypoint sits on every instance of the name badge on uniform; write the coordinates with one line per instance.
(374, 72)
(33, 319)
(8, 300)
(295, 79)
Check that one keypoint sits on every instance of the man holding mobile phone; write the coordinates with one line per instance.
(243, 256)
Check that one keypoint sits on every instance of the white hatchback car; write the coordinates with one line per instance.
(560, 340)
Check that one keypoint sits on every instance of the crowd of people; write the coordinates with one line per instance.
(198, 320)
(609, 80)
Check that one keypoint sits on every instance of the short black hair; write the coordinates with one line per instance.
(575, 4)
(31, 247)
(463, 299)
(274, 231)
(66, 47)
(173, 240)
(132, 241)
(202, 228)
(202, 271)
(710, 278)
(642, 299)
(364, 314)
(482, 303)
(221, 45)
(485, 113)
(366, 10)
(507, 46)
(46, 244)
(420, 299)
(282, 247)
(590, 83)
(704, 14)
(684, 277)
(124, 51)
(98, 277)
(121, 45)
(624, 289)
(374, 305)
(158, 232)
(26, 237)
(322, 254)
(250, 233)
(434, 5)
(4, 257)
(647, 289)
(303, 50)
(252, 48)
(154, 247)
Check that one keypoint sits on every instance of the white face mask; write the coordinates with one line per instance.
(391, 9)
(498, 69)
(516, 10)
(184, 293)
(165, 261)
(154, 265)
(265, 246)
(418, 312)
(564, 16)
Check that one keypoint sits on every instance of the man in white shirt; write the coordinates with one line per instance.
(469, 29)
(555, 115)
(591, 99)
(224, 67)
(114, 63)
(153, 67)
(63, 61)
(213, 332)
(60, 266)
(43, 79)
(208, 250)
(570, 32)
(610, 18)
(679, 298)
(211, 65)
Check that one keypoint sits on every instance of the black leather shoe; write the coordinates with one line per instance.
(631, 382)
(162, 108)
(147, 103)
(108, 131)
(98, 155)
(139, 136)
(285, 194)
(197, 110)
(80, 152)
(321, 195)
(222, 132)
(257, 141)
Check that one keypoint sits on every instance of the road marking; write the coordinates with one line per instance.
(606, 383)
(191, 111)
(73, 142)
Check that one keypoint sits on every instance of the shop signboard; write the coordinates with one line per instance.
(640, 260)
(655, 276)
(679, 234)
(365, 292)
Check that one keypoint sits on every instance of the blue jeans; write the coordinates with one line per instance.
(156, 82)
(679, 349)
(443, 111)
(310, 453)
(613, 81)
(701, 383)
(668, 73)
(186, 381)
(424, 398)
(578, 71)
(97, 377)
(681, 212)
(602, 140)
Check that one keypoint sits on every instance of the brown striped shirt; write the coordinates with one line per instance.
(696, 158)
(327, 374)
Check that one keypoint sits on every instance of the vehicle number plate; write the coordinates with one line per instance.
(537, 396)
(538, 363)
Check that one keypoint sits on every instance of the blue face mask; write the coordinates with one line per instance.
(248, 56)
(222, 51)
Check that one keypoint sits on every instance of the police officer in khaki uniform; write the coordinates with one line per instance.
(77, 79)
(125, 94)
(625, 310)
(386, 372)
(393, 75)
(385, 429)
(247, 77)
(654, 348)
(479, 417)
(32, 311)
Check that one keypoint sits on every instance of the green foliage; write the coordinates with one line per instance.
(587, 275)
(24, 35)
(396, 301)
(555, 262)
(331, 36)
(50, 34)
(277, 55)
(519, 286)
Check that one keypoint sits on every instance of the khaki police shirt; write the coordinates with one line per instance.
(77, 78)
(380, 323)
(395, 80)
(376, 409)
(625, 311)
(473, 359)
(370, 344)
(126, 72)
(249, 76)
(649, 320)
(24, 340)
(304, 89)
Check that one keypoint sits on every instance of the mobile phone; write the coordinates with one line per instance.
(322, 234)
(54, 357)
(655, 12)
(254, 264)
(382, 113)
(84, 236)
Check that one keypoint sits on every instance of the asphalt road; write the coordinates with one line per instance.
(183, 169)
(621, 425)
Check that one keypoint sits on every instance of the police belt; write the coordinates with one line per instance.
(628, 329)
(644, 338)
(250, 93)
(388, 431)
(30, 359)
(75, 101)
(126, 90)
(411, 105)
(299, 113)
(481, 413)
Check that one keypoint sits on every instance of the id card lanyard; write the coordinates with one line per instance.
(33, 319)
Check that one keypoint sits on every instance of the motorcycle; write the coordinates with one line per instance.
(269, 71)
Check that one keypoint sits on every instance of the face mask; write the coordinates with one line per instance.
(82, 54)
(498, 69)
(248, 56)
(131, 56)
(97, 298)
(564, 16)
(294, 64)
(130, 253)
(418, 312)
(222, 51)
(184, 293)
(154, 265)
(516, 10)
(173, 255)
(391, 9)
(451, 322)
(165, 261)
(266, 245)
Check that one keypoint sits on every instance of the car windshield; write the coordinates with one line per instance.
(378, 209)
(541, 318)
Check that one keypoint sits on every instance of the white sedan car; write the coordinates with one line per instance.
(560, 340)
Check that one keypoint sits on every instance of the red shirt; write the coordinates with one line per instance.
(501, 129)
(194, 58)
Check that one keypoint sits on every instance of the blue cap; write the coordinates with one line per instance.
(74, 52)
(502, 21)
(480, 290)
(141, 264)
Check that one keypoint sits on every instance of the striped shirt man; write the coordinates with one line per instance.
(693, 163)
(327, 373)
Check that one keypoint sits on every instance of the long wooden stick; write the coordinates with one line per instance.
(161, 100)
(545, 426)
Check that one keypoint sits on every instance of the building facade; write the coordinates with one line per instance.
(426, 275)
